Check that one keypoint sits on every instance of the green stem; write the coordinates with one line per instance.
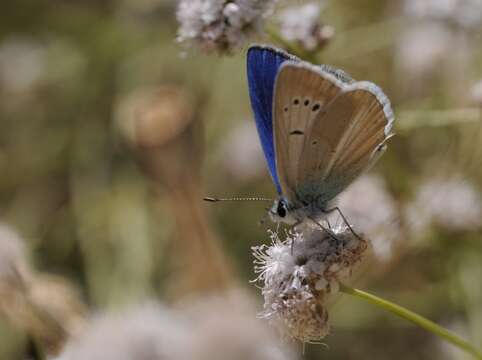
(415, 119)
(415, 318)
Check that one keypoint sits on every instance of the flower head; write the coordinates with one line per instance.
(476, 93)
(299, 273)
(220, 25)
(464, 13)
(209, 327)
(451, 203)
(22, 64)
(302, 24)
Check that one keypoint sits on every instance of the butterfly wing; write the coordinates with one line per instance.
(328, 129)
(263, 64)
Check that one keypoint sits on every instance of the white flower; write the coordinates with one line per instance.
(465, 13)
(220, 25)
(205, 328)
(452, 203)
(302, 24)
(241, 153)
(422, 46)
(146, 332)
(225, 328)
(298, 274)
(476, 93)
(22, 64)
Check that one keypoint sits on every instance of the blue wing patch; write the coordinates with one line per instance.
(263, 63)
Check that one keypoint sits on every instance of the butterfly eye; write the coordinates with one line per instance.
(281, 210)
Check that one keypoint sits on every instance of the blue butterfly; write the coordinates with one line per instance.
(319, 130)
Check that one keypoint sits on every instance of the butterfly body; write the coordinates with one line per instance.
(319, 129)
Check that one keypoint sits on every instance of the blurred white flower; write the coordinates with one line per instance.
(421, 48)
(149, 332)
(220, 25)
(465, 13)
(302, 24)
(476, 93)
(226, 328)
(209, 328)
(14, 269)
(452, 203)
(22, 64)
(298, 274)
(431, 51)
(241, 152)
(372, 211)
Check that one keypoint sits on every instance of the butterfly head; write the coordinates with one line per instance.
(280, 212)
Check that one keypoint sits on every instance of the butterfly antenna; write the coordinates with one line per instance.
(214, 199)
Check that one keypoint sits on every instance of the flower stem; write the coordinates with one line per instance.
(415, 318)
(411, 120)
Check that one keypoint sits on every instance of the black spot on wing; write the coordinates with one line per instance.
(296, 132)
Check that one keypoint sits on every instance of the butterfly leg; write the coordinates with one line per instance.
(336, 208)
(293, 240)
(328, 223)
(327, 230)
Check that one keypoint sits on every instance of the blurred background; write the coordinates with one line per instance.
(115, 122)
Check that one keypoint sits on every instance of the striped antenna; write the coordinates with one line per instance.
(213, 199)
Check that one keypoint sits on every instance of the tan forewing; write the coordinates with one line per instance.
(301, 95)
(326, 132)
(353, 126)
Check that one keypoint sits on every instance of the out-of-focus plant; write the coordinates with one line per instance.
(166, 135)
(87, 213)
(476, 93)
(204, 328)
(451, 203)
(46, 308)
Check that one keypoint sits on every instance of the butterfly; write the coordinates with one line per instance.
(319, 130)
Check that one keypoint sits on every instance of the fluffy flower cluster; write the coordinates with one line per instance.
(299, 273)
(220, 25)
(302, 24)
(465, 13)
(214, 328)
(452, 203)
(476, 93)
(22, 64)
